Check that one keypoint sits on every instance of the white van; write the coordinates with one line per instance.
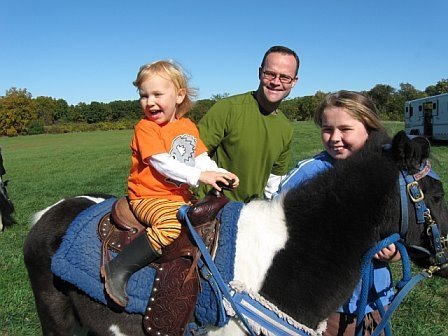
(427, 116)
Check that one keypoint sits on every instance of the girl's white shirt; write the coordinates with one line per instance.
(168, 166)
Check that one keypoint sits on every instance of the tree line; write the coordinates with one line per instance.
(21, 114)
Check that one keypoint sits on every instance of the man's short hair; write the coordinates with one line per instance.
(281, 50)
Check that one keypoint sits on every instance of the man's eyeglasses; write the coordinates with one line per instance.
(285, 79)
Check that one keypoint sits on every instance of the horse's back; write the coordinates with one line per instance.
(49, 226)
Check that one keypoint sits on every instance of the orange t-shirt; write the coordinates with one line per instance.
(180, 139)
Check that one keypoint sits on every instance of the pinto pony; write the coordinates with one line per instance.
(302, 251)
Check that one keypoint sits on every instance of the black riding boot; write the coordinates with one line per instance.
(117, 272)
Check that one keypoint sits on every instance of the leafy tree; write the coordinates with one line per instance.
(50, 110)
(125, 109)
(431, 90)
(394, 109)
(439, 88)
(61, 110)
(302, 108)
(219, 96)
(319, 97)
(200, 107)
(381, 94)
(290, 108)
(45, 107)
(76, 113)
(442, 86)
(384, 98)
(97, 112)
(306, 107)
(409, 92)
(17, 111)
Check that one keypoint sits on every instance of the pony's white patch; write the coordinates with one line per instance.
(35, 218)
(39, 214)
(115, 330)
(93, 199)
(262, 233)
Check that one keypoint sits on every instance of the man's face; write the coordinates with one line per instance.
(277, 77)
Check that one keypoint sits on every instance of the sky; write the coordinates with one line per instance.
(91, 50)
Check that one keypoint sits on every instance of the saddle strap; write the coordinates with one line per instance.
(173, 299)
(177, 283)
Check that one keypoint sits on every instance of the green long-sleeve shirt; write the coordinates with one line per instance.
(244, 141)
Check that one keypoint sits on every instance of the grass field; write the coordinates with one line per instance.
(44, 168)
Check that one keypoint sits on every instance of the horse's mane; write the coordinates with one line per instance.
(332, 220)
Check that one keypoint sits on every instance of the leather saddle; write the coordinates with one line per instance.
(177, 284)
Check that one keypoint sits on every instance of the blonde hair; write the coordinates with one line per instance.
(357, 106)
(175, 74)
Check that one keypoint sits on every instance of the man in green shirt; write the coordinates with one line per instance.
(248, 135)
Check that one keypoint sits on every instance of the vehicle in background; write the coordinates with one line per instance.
(427, 116)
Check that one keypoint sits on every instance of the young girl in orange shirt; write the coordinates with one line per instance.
(168, 157)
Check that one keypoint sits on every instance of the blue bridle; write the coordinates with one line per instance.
(408, 187)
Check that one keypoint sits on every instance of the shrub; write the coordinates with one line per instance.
(11, 132)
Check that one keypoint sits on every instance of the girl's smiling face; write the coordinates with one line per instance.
(342, 135)
(159, 99)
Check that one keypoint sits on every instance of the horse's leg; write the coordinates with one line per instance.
(53, 305)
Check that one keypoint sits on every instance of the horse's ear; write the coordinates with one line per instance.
(410, 153)
(424, 145)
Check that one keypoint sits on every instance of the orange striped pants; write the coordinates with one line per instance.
(159, 215)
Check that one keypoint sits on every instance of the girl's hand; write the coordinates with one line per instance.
(388, 254)
(212, 177)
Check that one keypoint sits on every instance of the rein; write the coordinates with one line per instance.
(408, 187)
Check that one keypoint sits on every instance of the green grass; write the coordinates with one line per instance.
(44, 168)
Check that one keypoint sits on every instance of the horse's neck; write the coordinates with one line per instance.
(261, 234)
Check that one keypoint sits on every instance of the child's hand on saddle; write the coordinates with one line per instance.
(219, 180)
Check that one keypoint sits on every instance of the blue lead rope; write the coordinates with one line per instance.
(397, 300)
(367, 277)
(404, 286)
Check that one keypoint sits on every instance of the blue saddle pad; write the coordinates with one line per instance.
(78, 261)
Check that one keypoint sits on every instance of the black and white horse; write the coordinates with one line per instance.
(302, 251)
(6, 206)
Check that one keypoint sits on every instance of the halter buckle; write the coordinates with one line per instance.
(414, 192)
(431, 270)
(444, 242)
